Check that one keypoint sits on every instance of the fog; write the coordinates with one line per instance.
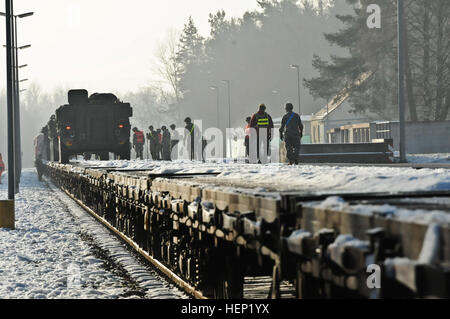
(164, 57)
(107, 46)
(101, 45)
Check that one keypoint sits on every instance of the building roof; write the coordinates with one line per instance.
(340, 98)
(305, 118)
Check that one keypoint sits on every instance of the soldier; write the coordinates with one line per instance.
(138, 143)
(193, 138)
(2, 167)
(159, 144)
(263, 124)
(165, 144)
(293, 135)
(53, 137)
(247, 136)
(152, 137)
(175, 138)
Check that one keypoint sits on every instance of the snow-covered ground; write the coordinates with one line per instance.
(339, 179)
(417, 216)
(59, 251)
(442, 158)
(305, 178)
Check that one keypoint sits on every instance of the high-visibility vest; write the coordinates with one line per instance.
(139, 137)
(263, 121)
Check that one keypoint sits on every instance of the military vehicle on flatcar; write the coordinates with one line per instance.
(97, 124)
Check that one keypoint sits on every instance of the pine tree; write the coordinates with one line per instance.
(427, 73)
(370, 51)
(191, 50)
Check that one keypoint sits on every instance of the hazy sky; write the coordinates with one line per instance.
(102, 45)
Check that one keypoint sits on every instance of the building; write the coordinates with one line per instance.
(421, 137)
(337, 113)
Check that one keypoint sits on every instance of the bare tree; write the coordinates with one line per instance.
(167, 66)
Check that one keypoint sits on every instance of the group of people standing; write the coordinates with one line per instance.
(291, 131)
(161, 142)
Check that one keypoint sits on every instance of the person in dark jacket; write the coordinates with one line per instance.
(152, 137)
(247, 136)
(138, 143)
(263, 124)
(193, 140)
(291, 131)
(165, 144)
(159, 143)
(174, 139)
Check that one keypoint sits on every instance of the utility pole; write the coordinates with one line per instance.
(216, 88)
(16, 90)
(401, 78)
(17, 146)
(229, 112)
(296, 66)
(10, 100)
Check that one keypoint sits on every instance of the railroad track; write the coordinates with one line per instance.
(216, 243)
(254, 287)
(161, 267)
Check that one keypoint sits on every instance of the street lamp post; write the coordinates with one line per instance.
(10, 101)
(216, 88)
(296, 66)
(13, 47)
(401, 78)
(278, 98)
(229, 111)
(18, 149)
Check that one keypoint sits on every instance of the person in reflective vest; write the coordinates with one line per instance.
(138, 143)
(263, 124)
(291, 131)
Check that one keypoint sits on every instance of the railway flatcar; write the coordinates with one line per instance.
(97, 124)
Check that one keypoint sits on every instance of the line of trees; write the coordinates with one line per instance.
(254, 52)
(427, 60)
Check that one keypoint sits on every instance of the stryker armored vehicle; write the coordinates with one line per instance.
(97, 124)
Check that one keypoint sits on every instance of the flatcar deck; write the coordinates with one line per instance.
(228, 242)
